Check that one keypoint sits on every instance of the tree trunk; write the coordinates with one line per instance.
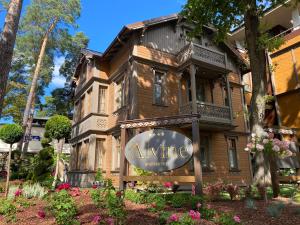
(274, 176)
(8, 171)
(35, 77)
(7, 42)
(258, 69)
(24, 146)
(59, 151)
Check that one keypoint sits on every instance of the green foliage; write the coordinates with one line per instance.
(250, 204)
(163, 217)
(11, 133)
(99, 175)
(178, 200)
(63, 207)
(99, 197)
(275, 210)
(207, 213)
(296, 197)
(34, 191)
(193, 200)
(226, 219)
(8, 210)
(11, 191)
(156, 204)
(58, 127)
(133, 196)
(116, 206)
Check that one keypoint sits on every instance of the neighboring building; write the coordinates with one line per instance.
(37, 133)
(283, 21)
(152, 76)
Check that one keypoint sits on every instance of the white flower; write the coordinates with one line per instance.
(253, 135)
(259, 147)
(247, 149)
(265, 141)
(276, 148)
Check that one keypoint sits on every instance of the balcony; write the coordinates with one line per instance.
(202, 55)
(209, 112)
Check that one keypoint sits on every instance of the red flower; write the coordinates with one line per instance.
(41, 214)
(94, 186)
(63, 186)
(18, 193)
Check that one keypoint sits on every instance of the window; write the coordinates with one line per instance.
(83, 72)
(204, 154)
(101, 100)
(83, 155)
(82, 106)
(89, 101)
(100, 155)
(226, 99)
(204, 151)
(119, 94)
(158, 87)
(78, 156)
(232, 153)
(116, 153)
(200, 90)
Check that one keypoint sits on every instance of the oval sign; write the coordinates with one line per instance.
(159, 150)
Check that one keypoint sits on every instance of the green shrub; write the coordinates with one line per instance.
(11, 192)
(116, 206)
(58, 127)
(8, 210)
(34, 191)
(163, 217)
(158, 204)
(194, 200)
(63, 207)
(99, 175)
(133, 196)
(11, 133)
(250, 204)
(227, 219)
(275, 210)
(178, 200)
(207, 214)
(99, 197)
(296, 197)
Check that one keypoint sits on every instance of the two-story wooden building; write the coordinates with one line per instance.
(152, 76)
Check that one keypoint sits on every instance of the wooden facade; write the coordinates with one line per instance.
(153, 76)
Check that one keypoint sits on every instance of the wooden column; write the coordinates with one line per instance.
(229, 97)
(179, 91)
(123, 163)
(193, 88)
(196, 156)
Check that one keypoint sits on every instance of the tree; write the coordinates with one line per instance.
(10, 134)
(7, 42)
(58, 128)
(225, 15)
(46, 22)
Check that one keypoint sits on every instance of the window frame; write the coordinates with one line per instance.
(163, 74)
(100, 155)
(104, 104)
(120, 87)
(116, 153)
(236, 158)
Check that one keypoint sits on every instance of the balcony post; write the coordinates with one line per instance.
(123, 163)
(179, 91)
(193, 88)
(229, 97)
(196, 157)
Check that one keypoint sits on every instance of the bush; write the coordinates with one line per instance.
(194, 200)
(207, 213)
(8, 210)
(179, 200)
(116, 206)
(296, 197)
(163, 217)
(58, 127)
(63, 208)
(233, 190)
(11, 133)
(213, 190)
(34, 191)
(99, 197)
(228, 219)
(157, 204)
(133, 196)
(250, 204)
(11, 192)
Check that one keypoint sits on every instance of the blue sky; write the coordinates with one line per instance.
(101, 20)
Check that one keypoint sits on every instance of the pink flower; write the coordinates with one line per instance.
(271, 135)
(259, 147)
(96, 219)
(174, 218)
(237, 219)
(75, 191)
(199, 205)
(41, 214)
(18, 193)
(110, 221)
(168, 185)
(195, 215)
(265, 141)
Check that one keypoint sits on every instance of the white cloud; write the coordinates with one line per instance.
(58, 81)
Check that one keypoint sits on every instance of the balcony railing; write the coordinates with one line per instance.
(209, 112)
(203, 54)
